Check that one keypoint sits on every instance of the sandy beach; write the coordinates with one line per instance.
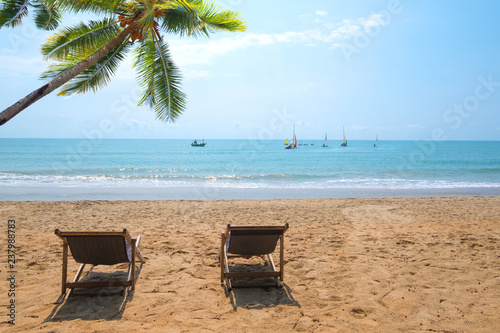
(351, 265)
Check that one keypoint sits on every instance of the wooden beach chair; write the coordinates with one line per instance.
(99, 248)
(249, 241)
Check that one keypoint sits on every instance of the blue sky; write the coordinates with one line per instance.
(405, 70)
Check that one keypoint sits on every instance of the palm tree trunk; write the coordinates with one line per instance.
(58, 81)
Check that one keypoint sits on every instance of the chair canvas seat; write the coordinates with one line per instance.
(99, 248)
(249, 241)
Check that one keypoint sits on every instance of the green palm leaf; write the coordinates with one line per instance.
(194, 18)
(46, 18)
(93, 6)
(82, 40)
(12, 12)
(159, 78)
(60, 68)
(216, 19)
(180, 17)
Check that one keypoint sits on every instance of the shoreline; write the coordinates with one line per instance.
(51, 193)
(351, 265)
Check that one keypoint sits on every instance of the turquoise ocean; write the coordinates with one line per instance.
(109, 169)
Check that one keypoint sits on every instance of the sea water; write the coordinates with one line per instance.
(74, 169)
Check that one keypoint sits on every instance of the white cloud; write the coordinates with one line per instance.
(373, 21)
(15, 65)
(197, 74)
(321, 12)
(195, 53)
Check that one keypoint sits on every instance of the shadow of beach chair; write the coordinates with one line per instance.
(99, 248)
(247, 242)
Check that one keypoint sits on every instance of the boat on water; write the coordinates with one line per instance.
(293, 145)
(325, 143)
(344, 142)
(286, 142)
(195, 143)
(312, 144)
(376, 142)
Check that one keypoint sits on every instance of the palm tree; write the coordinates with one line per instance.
(88, 54)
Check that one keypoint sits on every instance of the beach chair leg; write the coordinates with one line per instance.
(140, 256)
(271, 261)
(228, 280)
(137, 252)
(221, 259)
(282, 256)
(64, 268)
(131, 268)
(77, 277)
(224, 266)
(226, 269)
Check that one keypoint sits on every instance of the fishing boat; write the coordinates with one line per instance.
(195, 143)
(376, 142)
(293, 145)
(344, 142)
(325, 144)
(286, 142)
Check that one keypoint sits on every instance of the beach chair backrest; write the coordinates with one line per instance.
(99, 249)
(253, 241)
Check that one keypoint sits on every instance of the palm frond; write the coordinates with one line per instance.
(180, 18)
(12, 12)
(215, 18)
(93, 77)
(60, 68)
(159, 78)
(46, 17)
(147, 17)
(93, 6)
(194, 18)
(82, 39)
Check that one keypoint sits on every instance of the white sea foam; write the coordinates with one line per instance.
(233, 181)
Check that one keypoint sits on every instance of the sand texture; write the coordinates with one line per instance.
(351, 265)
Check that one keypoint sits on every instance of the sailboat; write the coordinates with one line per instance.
(376, 142)
(312, 144)
(325, 144)
(286, 142)
(344, 142)
(294, 140)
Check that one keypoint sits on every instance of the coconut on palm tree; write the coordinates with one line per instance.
(87, 55)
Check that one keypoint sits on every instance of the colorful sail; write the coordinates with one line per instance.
(344, 142)
(294, 140)
(294, 143)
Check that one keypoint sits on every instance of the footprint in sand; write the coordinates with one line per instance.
(358, 313)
